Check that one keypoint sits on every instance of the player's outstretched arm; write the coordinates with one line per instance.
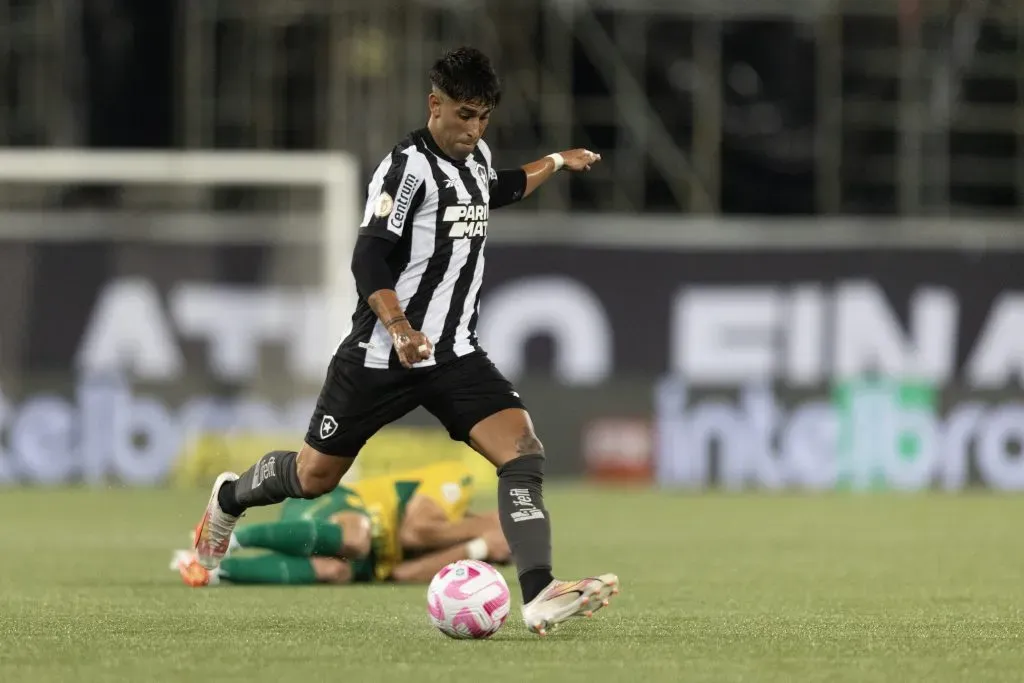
(538, 172)
(422, 569)
(429, 532)
(491, 547)
(512, 185)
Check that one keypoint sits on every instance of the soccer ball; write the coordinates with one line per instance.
(468, 599)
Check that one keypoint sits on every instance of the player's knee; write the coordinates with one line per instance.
(331, 570)
(527, 449)
(316, 486)
(525, 446)
(357, 543)
(319, 473)
(529, 445)
(527, 464)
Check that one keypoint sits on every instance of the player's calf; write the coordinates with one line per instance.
(525, 522)
(280, 475)
(524, 519)
(266, 569)
(271, 480)
(345, 535)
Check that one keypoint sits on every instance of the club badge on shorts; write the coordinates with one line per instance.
(328, 426)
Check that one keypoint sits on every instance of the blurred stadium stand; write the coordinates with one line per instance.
(749, 106)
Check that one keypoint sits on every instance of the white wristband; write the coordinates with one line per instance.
(558, 159)
(477, 549)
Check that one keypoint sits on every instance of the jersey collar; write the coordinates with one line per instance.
(428, 140)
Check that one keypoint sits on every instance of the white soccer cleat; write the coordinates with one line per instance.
(213, 533)
(562, 600)
(233, 544)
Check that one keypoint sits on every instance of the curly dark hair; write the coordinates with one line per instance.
(466, 75)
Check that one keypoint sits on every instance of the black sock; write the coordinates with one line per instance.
(271, 480)
(525, 522)
(533, 582)
(226, 499)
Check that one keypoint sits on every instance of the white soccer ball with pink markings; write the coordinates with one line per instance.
(468, 599)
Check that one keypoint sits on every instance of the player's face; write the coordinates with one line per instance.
(460, 124)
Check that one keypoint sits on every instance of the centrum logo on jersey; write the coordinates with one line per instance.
(404, 200)
(468, 220)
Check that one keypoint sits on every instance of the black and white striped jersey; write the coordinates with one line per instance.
(435, 210)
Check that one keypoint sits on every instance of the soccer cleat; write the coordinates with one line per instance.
(233, 544)
(562, 600)
(193, 573)
(213, 533)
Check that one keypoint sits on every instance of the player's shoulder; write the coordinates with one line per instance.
(408, 150)
(407, 144)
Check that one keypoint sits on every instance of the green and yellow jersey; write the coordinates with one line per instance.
(383, 500)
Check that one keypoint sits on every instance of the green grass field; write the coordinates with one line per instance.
(715, 588)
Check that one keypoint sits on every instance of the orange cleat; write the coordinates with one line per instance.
(192, 573)
(213, 533)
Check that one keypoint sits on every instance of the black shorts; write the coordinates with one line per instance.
(356, 402)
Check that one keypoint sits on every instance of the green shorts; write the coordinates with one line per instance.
(341, 499)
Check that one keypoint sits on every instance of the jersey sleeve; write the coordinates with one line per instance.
(506, 186)
(393, 196)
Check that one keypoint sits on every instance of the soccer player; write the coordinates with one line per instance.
(402, 528)
(418, 264)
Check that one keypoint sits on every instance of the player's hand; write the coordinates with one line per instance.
(498, 551)
(579, 159)
(411, 345)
